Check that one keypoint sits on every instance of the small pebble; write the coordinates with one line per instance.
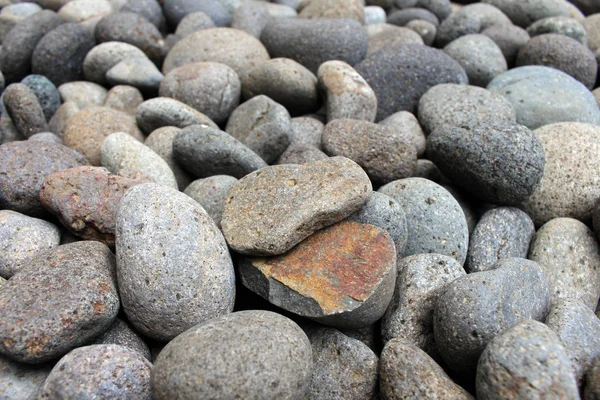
(561, 25)
(306, 130)
(193, 22)
(407, 125)
(299, 153)
(124, 98)
(46, 92)
(24, 109)
(163, 111)
(211, 194)
(161, 142)
(349, 9)
(21, 381)
(138, 72)
(104, 56)
(121, 333)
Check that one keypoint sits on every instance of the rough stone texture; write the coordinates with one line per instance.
(529, 88)
(334, 355)
(591, 389)
(391, 36)
(59, 120)
(87, 130)
(317, 194)
(428, 170)
(173, 266)
(528, 362)
(279, 368)
(211, 194)
(21, 238)
(569, 185)
(299, 153)
(561, 25)
(458, 24)
(204, 151)
(86, 200)
(163, 111)
(421, 279)
(342, 276)
(12, 14)
(311, 42)
(262, 125)
(500, 162)
(407, 125)
(286, 82)
(524, 13)
(46, 137)
(161, 142)
(99, 371)
(399, 80)
(121, 333)
(21, 381)
(84, 10)
(407, 372)
(568, 252)
(317, 9)
(211, 88)
(381, 151)
(193, 22)
(24, 165)
(24, 109)
(84, 94)
(62, 299)
(124, 98)
(176, 10)
(307, 130)
(510, 38)
(45, 91)
(436, 222)
(502, 232)
(474, 309)
(463, 106)
(251, 17)
(403, 16)
(139, 72)
(104, 56)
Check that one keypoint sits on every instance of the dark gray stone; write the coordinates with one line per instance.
(46, 93)
(163, 111)
(388, 36)
(24, 109)
(510, 38)
(176, 10)
(121, 333)
(104, 56)
(406, 15)
(524, 13)
(211, 194)
(459, 24)
(149, 9)
(299, 153)
(251, 17)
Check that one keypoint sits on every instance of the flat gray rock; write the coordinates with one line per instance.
(163, 111)
(211, 193)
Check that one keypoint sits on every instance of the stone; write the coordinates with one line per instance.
(407, 372)
(587, 6)
(392, 36)
(592, 28)
(176, 10)
(62, 299)
(24, 109)
(560, 25)
(122, 334)
(61, 117)
(441, 8)
(46, 137)
(83, 94)
(458, 24)
(424, 202)
(149, 9)
(47, 94)
(502, 232)
(193, 22)
(161, 142)
(299, 153)
(400, 87)
(407, 125)
(425, 29)
(381, 151)
(251, 17)
(84, 10)
(405, 15)
(211, 194)
(311, 42)
(591, 389)
(21, 381)
(24, 165)
(163, 111)
(428, 170)
(319, 9)
(280, 368)
(524, 13)
(568, 252)
(488, 14)
(526, 361)
(318, 194)
(474, 309)
(306, 130)
(101, 371)
(374, 15)
(104, 56)
(138, 72)
(124, 98)
(211, 88)
(173, 266)
(12, 14)
(510, 38)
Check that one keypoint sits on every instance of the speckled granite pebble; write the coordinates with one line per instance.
(121, 333)
(161, 142)
(104, 56)
(21, 381)
(46, 92)
(408, 126)
(211, 194)
(24, 109)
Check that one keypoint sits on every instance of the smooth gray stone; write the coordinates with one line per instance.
(163, 111)
(46, 92)
(524, 13)
(211, 194)
(104, 56)
(176, 10)
(562, 25)
(194, 22)
(161, 142)
(121, 333)
(21, 381)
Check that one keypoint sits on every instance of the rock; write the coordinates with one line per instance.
(306, 130)
(318, 194)
(62, 299)
(21, 238)
(311, 42)
(12, 14)
(407, 125)
(560, 25)
(100, 371)
(299, 153)
(232, 47)
(173, 266)
(500, 162)
(568, 187)
(405, 15)
(47, 94)
(392, 36)
(211, 88)
(529, 87)
(458, 24)
(374, 15)
(592, 28)
(176, 10)
(424, 202)
(84, 10)
(24, 109)
(149, 9)
(428, 170)
(138, 72)
(407, 372)
(587, 6)
(425, 29)
(83, 94)
(121, 333)
(251, 17)
(193, 22)
(489, 15)
(591, 389)
(526, 361)
(61, 117)
(21, 381)
(319, 9)
(335, 354)
(474, 309)
(510, 38)
(524, 13)
(104, 56)
(163, 111)
(46, 137)
(399, 88)
(161, 142)
(25, 164)
(441, 8)
(124, 98)
(280, 368)
(341, 276)
(568, 252)
(421, 279)
(502, 232)
(211, 194)
(381, 151)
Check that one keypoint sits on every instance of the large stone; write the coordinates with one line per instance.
(104, 56)
(524, 13)
(21, 381)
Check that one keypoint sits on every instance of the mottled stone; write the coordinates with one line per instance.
(405, 15)
(193, 22)
(161, 142)
(306, 130)
(163, 111)
(60, 119)
(392, 36)
(84, 10)
(135, 71)
(458, 24)
(318, 9)
(106, 55)
(21, 381)
(407, 125)
(84, 94)
(561, 25)
(591, 389)
(510, 38)
(124, 98)
(176, 10)
(524, 13)
(299, 153)
(425, 29)
(121, 333)
(45, 91)
(24, 109)
(211, 194)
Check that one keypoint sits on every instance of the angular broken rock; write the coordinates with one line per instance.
(256, 221)
(342, 276)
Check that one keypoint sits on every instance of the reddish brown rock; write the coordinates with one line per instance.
(86, 200)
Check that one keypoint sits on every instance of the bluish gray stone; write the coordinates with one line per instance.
(46, 93)
(21, 381)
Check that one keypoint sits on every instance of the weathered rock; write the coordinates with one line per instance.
(510, 38)
(306, 130)
(124, 98)
(106, 55)
(299, 153)
(391, 36)
(24, 109)
(21, 381)
(176, 10)
(524, 13)
(121, 333)
(138, 72)
(407, 125)
(163, 111)
(561, 25)
(45, 91)
(193, 22)
(84, 94)
(161, 142)
(592, 383)
(211, 194)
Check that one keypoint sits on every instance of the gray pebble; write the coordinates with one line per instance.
(149, 9)
(124, 98)
(84, 10)
(405, 15)
(428, 170)
(251, 17)
(47, 94)
(524, 13)
(138, 72)
(21, 381)
(561, 25)
(211, 194)
(374, 15)
(46, 137)
(591, 389)
(391, 36)
(510, 38)
(161, 142)
(163, 111)
(12, 14)
(24, 109)
(193, 22)
(121, 333)
(441, 8)
(306, 130)
(316, 9)
(176, 10)
(104, 56)
(84, 94)
(458, 24)
(425, 29)
(299, 153)
(407, 125)
(488, 14)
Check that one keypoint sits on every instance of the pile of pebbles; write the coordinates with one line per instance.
(299, 199)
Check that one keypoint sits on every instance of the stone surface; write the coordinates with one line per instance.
(251, 17)
(121, 333)
(561, 25)
(104, 56)
(176, 10)
(307, 130)
(62, 299)
(21, 381)
(524, 13)
(405, 15)
(163, 111)
(173, 266)
(592, 388)
(161, 142)
(84, 94)
(60, 119)
(510, 38)
(138, 72)
(318, 9)
(299, 153)
(407, 125)
(84, 10)
(24, 109)
(318, 194)
(124, 98)
(279, 368)
(391, 36)
(193, 22)
(45, 91)
(211, 194)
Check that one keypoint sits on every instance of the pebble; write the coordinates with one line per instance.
(12, 14)
(426, 30)
(21, 381)
(193, 22)
(161, 142)
(318, 194)
(104, 56)
(84, 10)
(299, 153)
(421, 280)
(592, 28)
(407, 125)
(83, 94)
(46, 137)
(61, 117)
(568, 252)
(488, 14)
(428, 170)
(211, 88)
(47, 94)
(424, 203)
(211, 194)
(404, 16)
(24, 109)
(311, 42)
(528, 89)
(163, 111)
(474, 309)
(342, 276)
(279, 368)
(124, 98)
(591, 388)
(21, 238)
(306, 130)
(24, 165)
(251, 17)
(138, 72)
(560, 25)
(392, 36)
(523, 14)
(75, 287)
(458, 24)
(121, 333)
(176, 10)
(526, 361)
(149, 9)
(348, 9)
(374, 15)
(407, 372)
(398, 79)
(99, 371)
(509, 38)
(502, 232)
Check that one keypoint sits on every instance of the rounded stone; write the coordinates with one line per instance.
(121, 333)
(124, 98)
(46, 137)
(21, 381)
(318, 9)
(104, 56)
(403, 16)
(139, 72)
(299, 153)
(83, 94)
(211, 194)
(509, 38)
(428, 170)
(592, 381)
(24, 109)
(524, 13)
(559, 25)
(46, 92)
(163, 111)
(306, 130)
(425, 29)
(193, 22)
(251, 17)
(391, 36)
(161, 142)
(407, 125)
(149, 9)
(176, 10)
(458, 24)
(84, 10)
